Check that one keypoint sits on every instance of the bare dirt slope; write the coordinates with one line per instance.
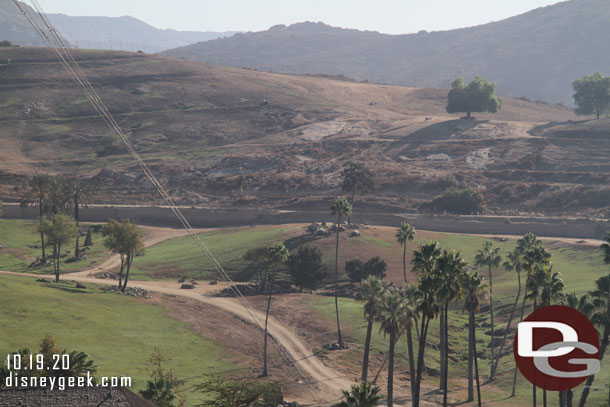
(225, 136)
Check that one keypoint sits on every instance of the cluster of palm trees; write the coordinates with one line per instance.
(54, 196)
(443, 278)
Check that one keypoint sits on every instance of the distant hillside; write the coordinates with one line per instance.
(125, 33)
(14, 27)
(224, 137)
(537, 54)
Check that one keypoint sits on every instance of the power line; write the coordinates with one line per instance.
(55, 42)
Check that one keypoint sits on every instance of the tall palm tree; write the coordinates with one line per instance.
(546, 285)
(79, 194)
(363, 395)
(58, 200)
(600, 297)
(423, 262)
(340, 208)
(38, 195)
(474, 290)
(534, 255)
(371, 290)
(393, 314)
(277, 255)
(404, 233)
(587, 308)
(449, 266)
(514, 262)
(489, 257)
(409, 293)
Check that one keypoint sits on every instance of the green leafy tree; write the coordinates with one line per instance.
(477, 96)
(474, 290)
(358, 270)
(489, 257)
(404, 234)
(125, 239)
(362, 395)
(277, 255)
(340, 208)
(592, 95)
(462, 201)
(236, 393)
(371, 291)
(306, 268)
(59, 230)
(356, 179)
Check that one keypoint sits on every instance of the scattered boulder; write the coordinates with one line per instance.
(355, 233)
(80, 285)
(2, 246)
(213, 282)
(182, 279)
(187, 286)
(335, 346)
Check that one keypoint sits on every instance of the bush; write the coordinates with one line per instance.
(466, 201)
(358, 271)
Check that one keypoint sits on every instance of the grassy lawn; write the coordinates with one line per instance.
(117, 332)
(181, 257)
(17, 235)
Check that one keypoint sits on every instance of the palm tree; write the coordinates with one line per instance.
(449, 266)
(587, 308)
(545, 284)
(363, 395)
(600, 297)
(404, 233)
(38, 195)
(58, 200)
(489, 257)
(276, 255)
(340, 208)
(409, 293)
(474, 290)
(393, 314)
(371, 290)
(424, 261)
(514, 262)
(534, 255)
(80, 196)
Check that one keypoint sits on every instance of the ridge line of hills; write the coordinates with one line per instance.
(535, 55)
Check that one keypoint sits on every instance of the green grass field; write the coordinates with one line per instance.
(17, 235)
(118, 332)
(181, 257)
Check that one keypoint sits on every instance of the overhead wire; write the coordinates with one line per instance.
(55, 42)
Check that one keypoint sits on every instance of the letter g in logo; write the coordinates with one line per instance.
(557, 348)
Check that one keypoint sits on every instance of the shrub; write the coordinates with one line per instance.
(465, 201)
(358, 271)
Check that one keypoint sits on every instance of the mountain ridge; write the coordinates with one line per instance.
(535, 55)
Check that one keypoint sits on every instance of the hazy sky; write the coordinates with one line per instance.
(388, 16)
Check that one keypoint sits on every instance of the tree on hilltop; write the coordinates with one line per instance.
(592, 95)
(477, 96)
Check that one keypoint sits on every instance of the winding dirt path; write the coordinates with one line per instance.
(328, 382)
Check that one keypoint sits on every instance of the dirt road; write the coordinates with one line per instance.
(327, 382)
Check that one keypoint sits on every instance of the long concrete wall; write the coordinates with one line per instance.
(206, 217)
